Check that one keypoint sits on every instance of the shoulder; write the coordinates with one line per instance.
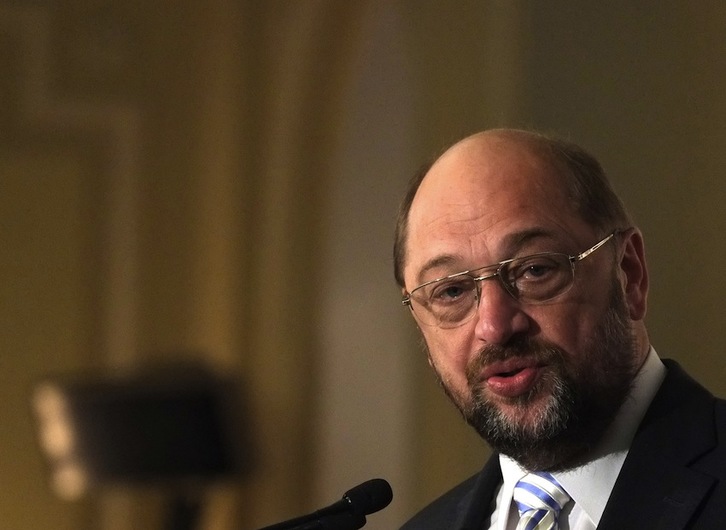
(680, 390)
(687, 420)
(442, 512)
(465, 506)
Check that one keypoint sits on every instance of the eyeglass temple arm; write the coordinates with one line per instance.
(593, 249)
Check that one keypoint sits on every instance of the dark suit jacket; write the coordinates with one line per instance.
(674, 476)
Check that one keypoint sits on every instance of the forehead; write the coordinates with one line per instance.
(480, 193)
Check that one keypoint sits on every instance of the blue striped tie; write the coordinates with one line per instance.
(539, 498)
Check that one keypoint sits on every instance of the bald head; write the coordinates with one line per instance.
(527, 169)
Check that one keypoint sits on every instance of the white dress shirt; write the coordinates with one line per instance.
(589, 486)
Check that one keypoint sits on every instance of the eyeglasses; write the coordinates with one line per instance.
(450, 301)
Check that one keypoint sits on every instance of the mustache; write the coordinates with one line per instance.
(539, 350)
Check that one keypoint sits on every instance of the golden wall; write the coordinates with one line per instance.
(218, 181)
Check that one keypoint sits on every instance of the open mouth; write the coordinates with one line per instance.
(509, 373)
(512, 378)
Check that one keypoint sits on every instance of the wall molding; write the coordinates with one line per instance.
(117, 125)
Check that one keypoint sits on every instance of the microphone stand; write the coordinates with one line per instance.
(334, 521)
(318, 521)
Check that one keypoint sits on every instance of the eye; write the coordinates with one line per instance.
(535, 269)
(450, 291)
(538, 269)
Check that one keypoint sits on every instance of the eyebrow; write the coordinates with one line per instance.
(438, 261)
(511, 242)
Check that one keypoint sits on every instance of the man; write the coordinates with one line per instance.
(528, 282)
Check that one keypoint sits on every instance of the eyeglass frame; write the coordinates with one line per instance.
(406, 300)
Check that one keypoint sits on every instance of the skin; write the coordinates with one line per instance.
(492, 197)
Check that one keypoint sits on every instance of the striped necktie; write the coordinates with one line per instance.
(539, 498)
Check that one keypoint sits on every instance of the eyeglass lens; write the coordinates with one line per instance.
(532, 279)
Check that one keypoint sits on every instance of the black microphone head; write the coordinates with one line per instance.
(369, 497)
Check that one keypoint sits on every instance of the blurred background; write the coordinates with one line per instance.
(216, 182)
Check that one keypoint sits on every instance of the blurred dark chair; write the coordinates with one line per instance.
(180, 428)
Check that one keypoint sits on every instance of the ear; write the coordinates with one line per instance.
(634, 273)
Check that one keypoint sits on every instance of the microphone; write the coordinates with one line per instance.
(346, 514)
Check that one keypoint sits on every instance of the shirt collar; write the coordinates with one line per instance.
(590, 485)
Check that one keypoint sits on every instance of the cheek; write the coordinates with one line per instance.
(569, 326)
(449, 353)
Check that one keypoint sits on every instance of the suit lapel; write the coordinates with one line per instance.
(656, 487)
(476, 506)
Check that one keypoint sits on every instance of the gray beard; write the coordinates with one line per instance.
(583, 397)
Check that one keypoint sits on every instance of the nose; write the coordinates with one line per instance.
(499, 316)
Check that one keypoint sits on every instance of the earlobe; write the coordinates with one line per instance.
(634, 273)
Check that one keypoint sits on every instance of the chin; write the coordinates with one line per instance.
(525, 413)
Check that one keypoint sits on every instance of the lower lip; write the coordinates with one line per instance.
(514, 385)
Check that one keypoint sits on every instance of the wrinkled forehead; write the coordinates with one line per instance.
(481, 191)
